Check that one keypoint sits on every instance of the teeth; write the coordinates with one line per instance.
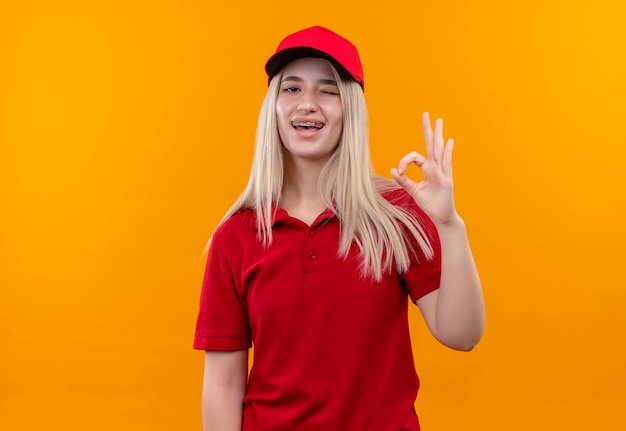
(306, 124)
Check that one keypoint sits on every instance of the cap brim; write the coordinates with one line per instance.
(286, 56)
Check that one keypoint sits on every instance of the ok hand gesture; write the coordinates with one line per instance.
(434, 194)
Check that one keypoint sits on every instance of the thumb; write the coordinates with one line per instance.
(401, 179)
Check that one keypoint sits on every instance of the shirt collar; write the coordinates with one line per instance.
(280, 215)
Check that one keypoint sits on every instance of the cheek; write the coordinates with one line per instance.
(338, 114)
(283, 107)
(340, 125)
(281, 120)
(280, 113)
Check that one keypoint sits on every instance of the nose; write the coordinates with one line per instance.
(307, 103)
(305, 107)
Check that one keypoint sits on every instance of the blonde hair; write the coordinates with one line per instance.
(384, 233)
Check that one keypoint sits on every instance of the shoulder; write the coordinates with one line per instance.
(389, 189)
(395, 195)
(240, 224)
(232, 237)
(401, 199)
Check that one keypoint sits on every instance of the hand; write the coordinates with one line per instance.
(435, 193)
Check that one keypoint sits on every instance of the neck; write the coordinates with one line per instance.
(300, 194)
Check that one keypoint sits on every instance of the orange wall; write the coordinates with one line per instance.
(126, 131)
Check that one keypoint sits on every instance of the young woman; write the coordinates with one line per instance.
(315, 262)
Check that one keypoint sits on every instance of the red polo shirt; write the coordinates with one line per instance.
(331, 349)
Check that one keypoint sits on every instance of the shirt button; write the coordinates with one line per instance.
(312, 254)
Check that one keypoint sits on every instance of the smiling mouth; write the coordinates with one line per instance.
(307, 124)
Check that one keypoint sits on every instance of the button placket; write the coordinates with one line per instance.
(310, 253)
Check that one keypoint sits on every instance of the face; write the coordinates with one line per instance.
(308, 110)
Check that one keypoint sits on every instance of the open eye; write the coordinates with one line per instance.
(290, 89)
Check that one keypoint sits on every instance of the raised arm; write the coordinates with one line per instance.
(455, 313)
(225, 380)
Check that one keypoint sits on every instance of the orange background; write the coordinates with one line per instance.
(126, 131)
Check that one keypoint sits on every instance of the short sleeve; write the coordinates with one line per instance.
(222, 322)
(424, 274)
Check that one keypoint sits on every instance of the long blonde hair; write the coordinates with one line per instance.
(384, 233)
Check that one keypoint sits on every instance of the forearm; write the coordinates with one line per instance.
(460, 309)
(225, 379)
(222, 409)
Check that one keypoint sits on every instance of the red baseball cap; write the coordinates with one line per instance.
(317, 42)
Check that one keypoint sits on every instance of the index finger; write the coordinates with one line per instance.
(412, 157)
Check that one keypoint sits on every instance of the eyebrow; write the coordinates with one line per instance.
(298, 79)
